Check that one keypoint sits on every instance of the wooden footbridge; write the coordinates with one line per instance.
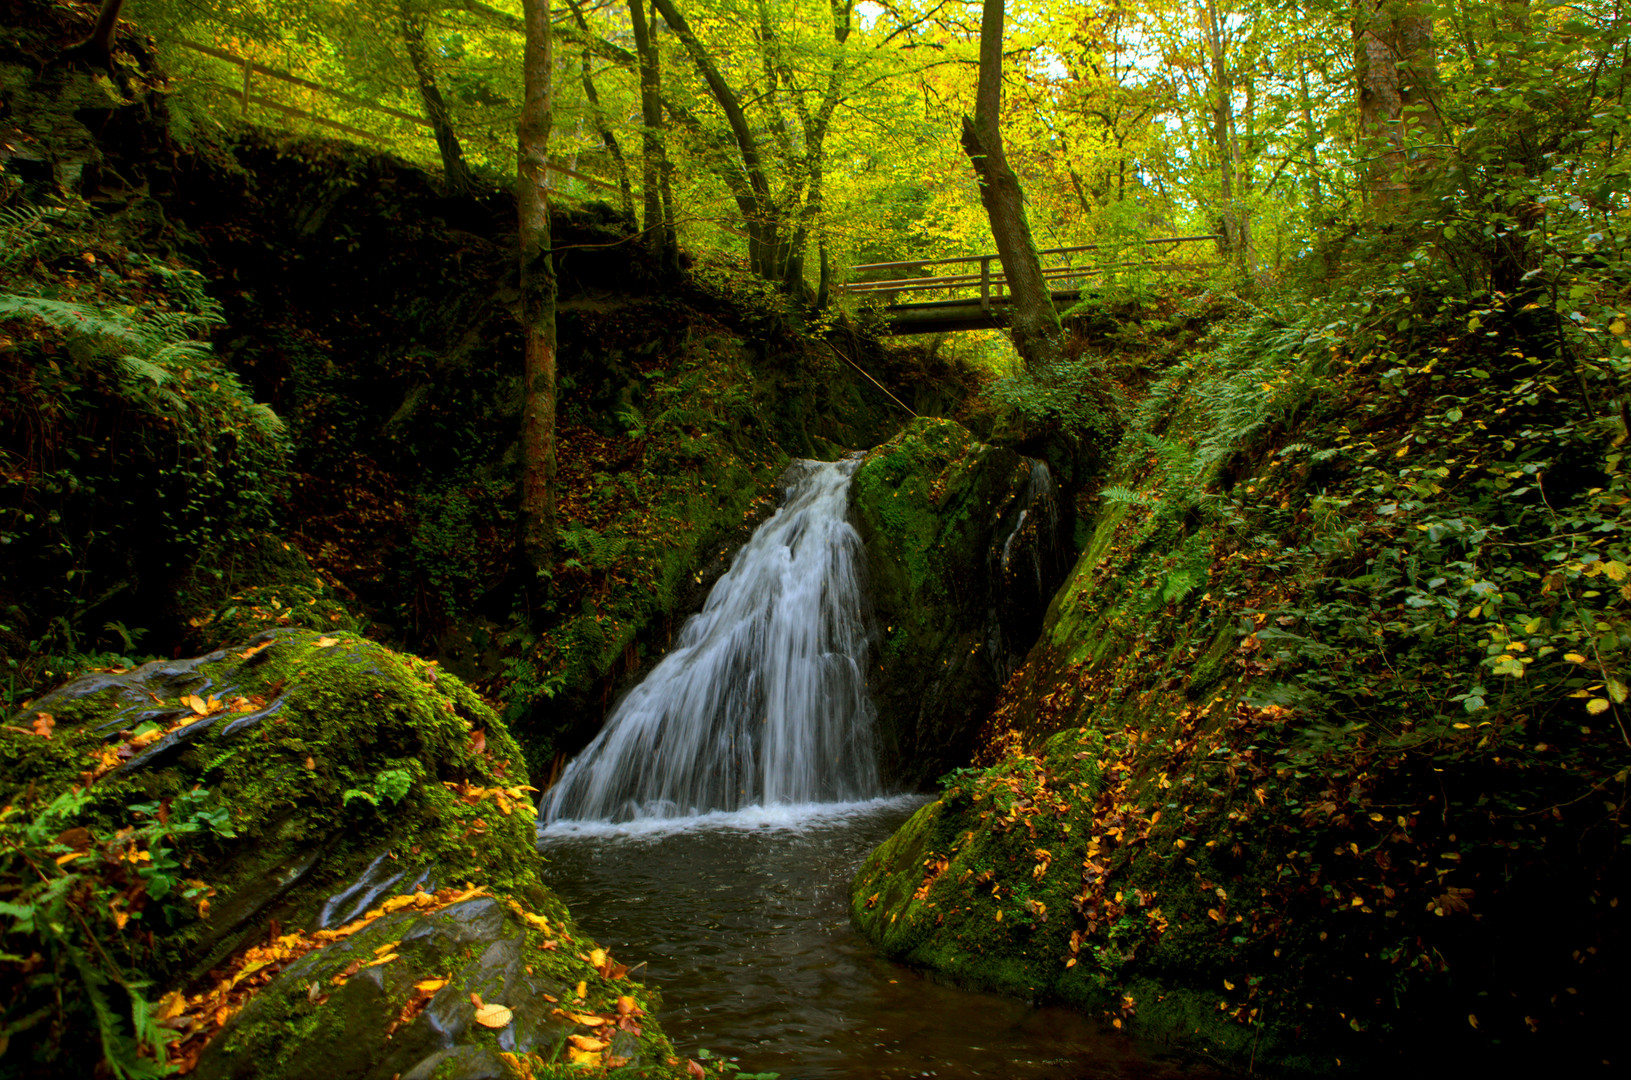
(977, 299)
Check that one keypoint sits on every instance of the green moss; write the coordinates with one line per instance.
(303, 811)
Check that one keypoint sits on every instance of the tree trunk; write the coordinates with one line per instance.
(656, 171)
(454, 171)
(537, 294)
(1236, 228)
(1397, 74)
(1032, 319)
(97, 50)
(608, 137)
(766, 248)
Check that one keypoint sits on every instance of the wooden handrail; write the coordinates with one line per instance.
(284, 76)
(1050, 251)
(956, 281)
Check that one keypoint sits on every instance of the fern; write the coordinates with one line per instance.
(595, 551)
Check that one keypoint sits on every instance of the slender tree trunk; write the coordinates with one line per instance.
(608, 137)
(537, 293)
(455, 172)
(766, 249)
(651, 121)
(1032, 318)
(1236, 234)
(1310, 132)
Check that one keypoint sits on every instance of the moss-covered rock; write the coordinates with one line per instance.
(965, 542)
(306, 791)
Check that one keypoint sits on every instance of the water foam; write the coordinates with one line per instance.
(763, 701)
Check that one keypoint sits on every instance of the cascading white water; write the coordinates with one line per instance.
(763, 700)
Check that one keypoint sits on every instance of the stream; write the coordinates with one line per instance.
(743, 921)
(711, 829)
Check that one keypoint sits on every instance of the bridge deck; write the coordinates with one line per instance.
(988, 309)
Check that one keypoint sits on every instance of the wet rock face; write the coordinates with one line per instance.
(966, 544)
(477, 946)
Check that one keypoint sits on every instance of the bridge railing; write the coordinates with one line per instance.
(992, 283)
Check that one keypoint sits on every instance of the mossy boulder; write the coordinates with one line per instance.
(313, 798)
(965, 542)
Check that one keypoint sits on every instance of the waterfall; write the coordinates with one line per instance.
(763, 699)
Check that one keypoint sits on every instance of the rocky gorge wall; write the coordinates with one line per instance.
(1308, 768)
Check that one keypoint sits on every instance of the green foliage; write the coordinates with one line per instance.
(390, 786)
(1077, 396)
(73, 894)
(129, 452)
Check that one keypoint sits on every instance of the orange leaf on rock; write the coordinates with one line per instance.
(325, 642)
(494, 1016)
(587, 1042)
(43, 723)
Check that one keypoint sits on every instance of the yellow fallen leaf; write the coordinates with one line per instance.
(325, 642)
(387, 947)
(597, 957)
(384, 960)
(64, 860)
(583, 990)
(494, 1016)
(574, 1056)
(429, 986)
(1597, 706)
(587, 1042)
(170, 1006)
(196, 704)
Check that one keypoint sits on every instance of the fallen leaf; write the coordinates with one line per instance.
(586, 1042)
(574, 1056)
(43, 723)
(582, 990)
(597, 958)
(586, 1019)
(694, 1069)
(494, 1016)
(325, 642)
(311, 763)
(429, 986)
(478, 741)
(384, 960)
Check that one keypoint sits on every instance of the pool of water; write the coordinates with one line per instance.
(743, 922)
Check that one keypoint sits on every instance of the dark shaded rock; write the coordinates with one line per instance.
(965, 545)
(442, 1040)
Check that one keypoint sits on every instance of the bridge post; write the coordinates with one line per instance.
(985, 284)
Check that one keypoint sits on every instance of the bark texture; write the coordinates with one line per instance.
(537, 293)
(455, 172)
(1032, 320)
(1397, 73)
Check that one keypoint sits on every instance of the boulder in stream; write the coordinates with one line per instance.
(965, 545)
